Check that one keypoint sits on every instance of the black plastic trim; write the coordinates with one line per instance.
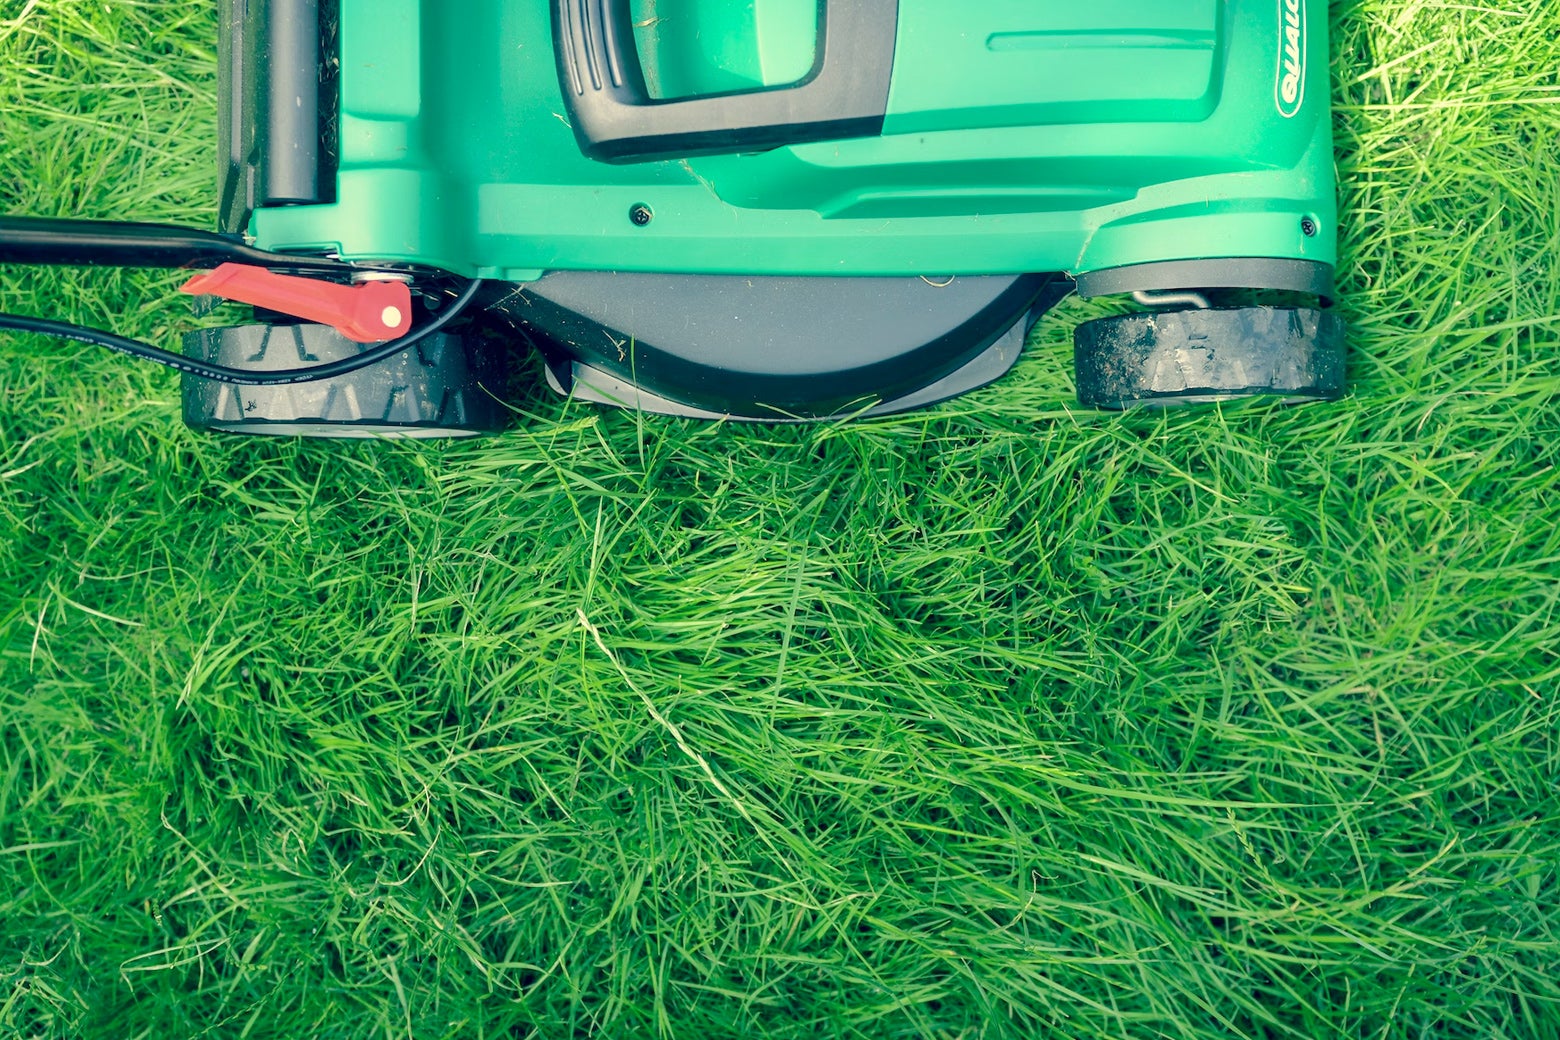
(616, 120)
(1304, 276)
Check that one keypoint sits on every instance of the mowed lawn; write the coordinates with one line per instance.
(1006, 719)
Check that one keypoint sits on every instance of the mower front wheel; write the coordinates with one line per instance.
(1167, 358)
(443, 386)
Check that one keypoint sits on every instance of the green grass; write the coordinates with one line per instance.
(1003, 720)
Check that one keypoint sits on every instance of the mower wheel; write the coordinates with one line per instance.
(441, 387)
(1166, 358)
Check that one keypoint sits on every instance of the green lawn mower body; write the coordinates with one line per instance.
(782, 209)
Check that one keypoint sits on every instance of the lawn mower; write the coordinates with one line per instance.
(769, 210)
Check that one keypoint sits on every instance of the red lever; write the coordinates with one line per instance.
(365, 313)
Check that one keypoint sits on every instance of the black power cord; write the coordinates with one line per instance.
(240, 376)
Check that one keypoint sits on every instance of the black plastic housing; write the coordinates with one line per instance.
(774, 348)
(277, 70)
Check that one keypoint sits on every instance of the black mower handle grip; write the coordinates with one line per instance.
(616, 120)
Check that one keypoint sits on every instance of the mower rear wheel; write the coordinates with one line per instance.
(440, 387)
(1167, 358)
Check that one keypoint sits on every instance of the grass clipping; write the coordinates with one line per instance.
(1000, 720)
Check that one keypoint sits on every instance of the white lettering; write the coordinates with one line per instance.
(1291, 57)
